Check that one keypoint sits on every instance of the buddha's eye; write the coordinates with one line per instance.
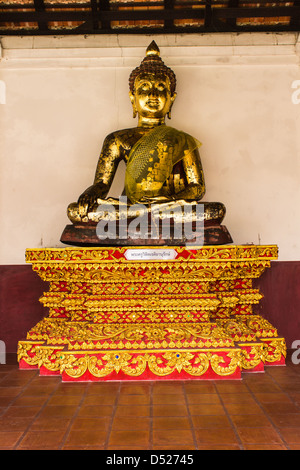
(161, 86)
(144, 86)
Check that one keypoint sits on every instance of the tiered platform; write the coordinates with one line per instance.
(152, 313)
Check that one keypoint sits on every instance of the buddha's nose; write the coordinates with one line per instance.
(154, 92)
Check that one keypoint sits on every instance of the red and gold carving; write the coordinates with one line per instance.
(186, 318)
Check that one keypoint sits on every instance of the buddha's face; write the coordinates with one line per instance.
(152, 96)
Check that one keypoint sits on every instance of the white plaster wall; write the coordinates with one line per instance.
(60, 97)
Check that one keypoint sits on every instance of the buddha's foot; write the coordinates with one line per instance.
(180, 211)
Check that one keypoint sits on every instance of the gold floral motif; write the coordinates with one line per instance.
(116, 254)
(276, 349)
(254, 357)
(101, 365)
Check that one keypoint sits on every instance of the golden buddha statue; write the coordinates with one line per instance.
(163, 166)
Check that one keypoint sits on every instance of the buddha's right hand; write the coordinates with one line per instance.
(88, 199)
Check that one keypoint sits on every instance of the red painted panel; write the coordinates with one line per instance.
(20, 309)
(280, 286)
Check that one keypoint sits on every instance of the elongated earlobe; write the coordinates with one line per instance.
(172, 102)
(133, 105)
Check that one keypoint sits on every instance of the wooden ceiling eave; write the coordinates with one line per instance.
(167, 16)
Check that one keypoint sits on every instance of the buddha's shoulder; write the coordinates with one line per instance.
(125, 133)
(124, 137)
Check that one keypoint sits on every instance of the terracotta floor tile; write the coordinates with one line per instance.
(170, 447)
(98, 424)
(129, 438)
(216, 436)
(50, 424)
(291, 435)
(50, 383)
(280, 408)
(5, 401)
(65, 400)
(286, 420)
(243, 408)
(177, 422)
(169, 398)
(99, 400)
(42, 439)
(122, 423)
(59, 411)
(200, 387)
(95, 410)
(10, 391)
(250, 420)
(245, 398)
(273, 398)
(295, 397)
(210, 421)
(80, 448)
(265, 447)
(71, 389)
(219, 447)
(135, 389)
(21, 411)
(169, 410)
(9, 439)
(167, 388)
(231, 386)
(38, 390)
(259, 435)
(208, 398)
(206, 409)
(134, 400)
(256, 387)
(30, 400)
(104, 388)
(172, 437)
(15, 424)
(132, 410)
(86, 437)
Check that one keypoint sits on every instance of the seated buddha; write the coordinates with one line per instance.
(163, 166)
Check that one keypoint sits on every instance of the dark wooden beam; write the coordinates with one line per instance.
(107, 15)
(98, 15)
(169, 22)
(94, 9)
(295, 18)
(104, 7)
(208, 14)
(40, 7)
(154, 30)
(232, 4)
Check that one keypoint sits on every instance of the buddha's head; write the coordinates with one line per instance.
(152, 86)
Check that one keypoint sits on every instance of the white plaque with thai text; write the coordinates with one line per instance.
(148, 254)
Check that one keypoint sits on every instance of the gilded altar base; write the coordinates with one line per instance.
(118, 313)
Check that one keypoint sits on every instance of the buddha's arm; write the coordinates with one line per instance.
(192, 167)
(106, 168)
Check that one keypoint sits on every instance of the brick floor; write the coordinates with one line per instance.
(260, 412)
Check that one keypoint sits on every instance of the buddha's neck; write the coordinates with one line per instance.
(150, 122)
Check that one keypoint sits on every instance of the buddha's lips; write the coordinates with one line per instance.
(153, 102)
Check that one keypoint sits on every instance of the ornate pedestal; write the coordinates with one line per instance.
(132, 313)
